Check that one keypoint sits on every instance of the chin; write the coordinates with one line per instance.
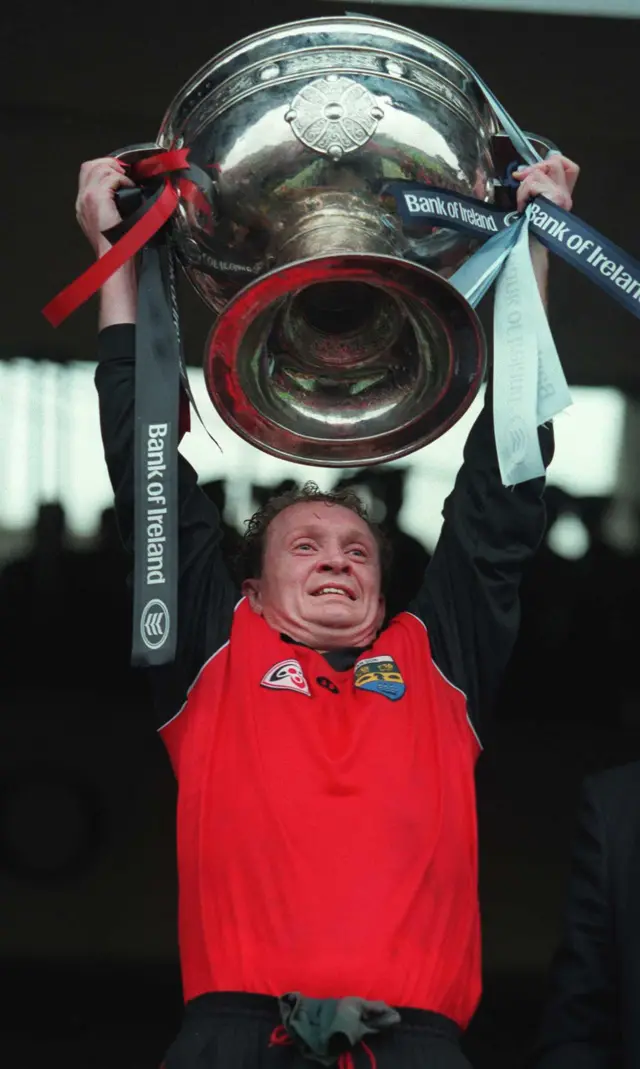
(337, 623)
(347, 632)
(339, 612)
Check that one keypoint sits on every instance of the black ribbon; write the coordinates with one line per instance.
(133, 203)
(160, 377)
(157, 404)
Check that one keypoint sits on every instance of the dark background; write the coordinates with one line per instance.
(87, 881)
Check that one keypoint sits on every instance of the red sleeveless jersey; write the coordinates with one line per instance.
(326, 823)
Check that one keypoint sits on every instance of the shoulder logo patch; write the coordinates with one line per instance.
(286, 675)
(381, 675)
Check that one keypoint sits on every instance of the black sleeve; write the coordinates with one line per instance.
(581, 1026)
(207, 595)
(469, 600)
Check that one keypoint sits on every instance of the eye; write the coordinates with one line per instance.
(358, 551)
(304, 546)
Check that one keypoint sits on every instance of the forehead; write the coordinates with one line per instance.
(321, 516)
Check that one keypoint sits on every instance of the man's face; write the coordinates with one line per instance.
(320, 582)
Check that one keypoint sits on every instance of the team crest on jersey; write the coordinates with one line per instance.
(381, 675)
(286, 675)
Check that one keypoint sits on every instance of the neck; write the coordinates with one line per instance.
(322, 640)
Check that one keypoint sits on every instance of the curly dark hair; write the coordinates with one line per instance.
(251, 552)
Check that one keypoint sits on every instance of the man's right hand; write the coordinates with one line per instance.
(96, 209)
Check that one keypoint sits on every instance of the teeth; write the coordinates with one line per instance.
(333, 590)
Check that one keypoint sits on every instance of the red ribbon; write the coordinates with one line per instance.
(91, 280)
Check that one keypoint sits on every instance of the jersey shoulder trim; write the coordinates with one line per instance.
(448, 681)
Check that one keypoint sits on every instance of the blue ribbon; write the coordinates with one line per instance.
(480, 271)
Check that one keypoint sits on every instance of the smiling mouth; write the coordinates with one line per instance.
(333, 590)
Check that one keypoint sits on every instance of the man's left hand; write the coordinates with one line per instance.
(553, 178)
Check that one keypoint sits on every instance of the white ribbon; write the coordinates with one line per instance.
(529, 387)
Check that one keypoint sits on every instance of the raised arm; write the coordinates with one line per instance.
(206, 593)
(581, 1025)
(470, 600)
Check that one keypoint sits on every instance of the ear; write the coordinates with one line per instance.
(252, 592)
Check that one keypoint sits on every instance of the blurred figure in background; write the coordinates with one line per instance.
(592, 1020)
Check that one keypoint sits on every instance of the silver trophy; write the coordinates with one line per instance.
(338, 339)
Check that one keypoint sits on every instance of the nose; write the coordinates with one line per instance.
(336, 562)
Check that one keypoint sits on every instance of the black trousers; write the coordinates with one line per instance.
(236, 1031)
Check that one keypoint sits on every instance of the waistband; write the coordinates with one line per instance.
(265, 1007)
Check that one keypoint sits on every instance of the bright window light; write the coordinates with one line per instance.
(50, 449)
(568, 537)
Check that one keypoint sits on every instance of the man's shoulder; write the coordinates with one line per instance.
(405, 625)
(616, 791)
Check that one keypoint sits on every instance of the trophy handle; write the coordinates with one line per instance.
(507, 160)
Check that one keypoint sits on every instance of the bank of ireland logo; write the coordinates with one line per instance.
(518, 439)
(154, 624)
(286, 675)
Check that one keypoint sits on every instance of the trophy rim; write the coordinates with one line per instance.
(465, 373)
(170, 130)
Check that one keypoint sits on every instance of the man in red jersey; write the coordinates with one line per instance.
(325, 761)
